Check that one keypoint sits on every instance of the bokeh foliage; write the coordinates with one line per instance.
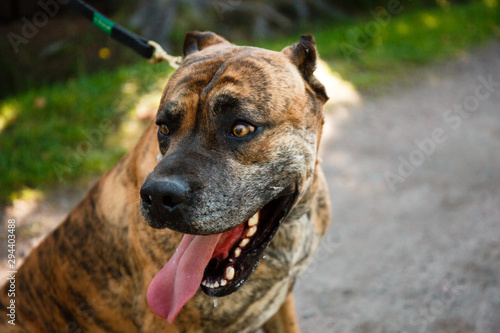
(65, 133)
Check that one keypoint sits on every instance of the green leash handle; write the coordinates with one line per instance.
(147, 49)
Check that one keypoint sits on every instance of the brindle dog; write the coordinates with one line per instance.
(230, 167)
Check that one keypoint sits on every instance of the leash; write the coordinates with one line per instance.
(150, 50)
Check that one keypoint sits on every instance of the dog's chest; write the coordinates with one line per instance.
(286, 257)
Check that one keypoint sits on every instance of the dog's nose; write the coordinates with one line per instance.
(164, 193)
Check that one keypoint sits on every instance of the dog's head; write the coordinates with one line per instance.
(238, 131)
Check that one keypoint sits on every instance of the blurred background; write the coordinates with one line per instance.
(415, 239)
(61, 76)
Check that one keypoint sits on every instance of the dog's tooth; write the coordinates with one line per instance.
(251, 231)
(244, 242)
(229, 273)
(216, 284)
(223, 282)
(237, 252)
(204, 283)
(253, 220)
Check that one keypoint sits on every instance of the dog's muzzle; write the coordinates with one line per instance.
(163, 197)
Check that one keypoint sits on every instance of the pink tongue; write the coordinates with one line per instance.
(181, 276)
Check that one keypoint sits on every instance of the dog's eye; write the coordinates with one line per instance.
(164, 130)
(242, 129)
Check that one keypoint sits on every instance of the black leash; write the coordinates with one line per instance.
(147, 49)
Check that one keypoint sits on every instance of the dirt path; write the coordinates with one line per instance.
(420, 252)
(409, 250)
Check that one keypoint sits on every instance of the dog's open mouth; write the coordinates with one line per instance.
(239, 250)
(220, 264)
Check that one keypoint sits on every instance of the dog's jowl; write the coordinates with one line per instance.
(233, 205)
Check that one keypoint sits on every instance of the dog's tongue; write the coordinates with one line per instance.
(181, 276)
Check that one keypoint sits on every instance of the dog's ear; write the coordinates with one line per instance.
(196, 41)
(304, 55)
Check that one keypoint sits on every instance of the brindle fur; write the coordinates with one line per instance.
(92, 272)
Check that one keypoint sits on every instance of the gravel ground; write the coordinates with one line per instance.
(414, 244)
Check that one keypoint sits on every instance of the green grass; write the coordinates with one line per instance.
(66, 133)
(414, 37)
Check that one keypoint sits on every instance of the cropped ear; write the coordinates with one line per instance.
(196, 41)
(304, 55)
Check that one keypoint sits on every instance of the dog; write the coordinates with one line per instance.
(233, 205)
